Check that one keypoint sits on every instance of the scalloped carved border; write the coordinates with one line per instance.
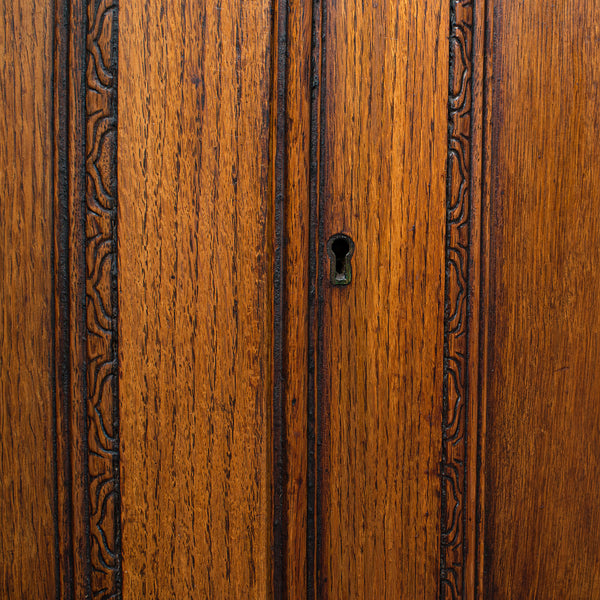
(456, 314)
(101, 297)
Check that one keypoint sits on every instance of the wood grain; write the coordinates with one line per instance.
(27, 491)
(543, 426)
(74, 136)
(296, 264)
(384, 87)
(195, 302)
(429, 431)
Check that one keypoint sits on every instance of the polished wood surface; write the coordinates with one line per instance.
(195, 298)
(27, 511)
(296, 232)
(379, 388)
(542, 444)
(189, 407)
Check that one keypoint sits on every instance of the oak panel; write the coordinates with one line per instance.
(195, 304)
(27, 529)
(384, 85)
(543, 424)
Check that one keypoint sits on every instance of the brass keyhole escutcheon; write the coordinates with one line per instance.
(340, 249)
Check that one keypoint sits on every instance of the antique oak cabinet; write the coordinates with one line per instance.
(300, 299)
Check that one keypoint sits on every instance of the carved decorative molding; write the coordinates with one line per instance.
(456, 314)
(101, 298)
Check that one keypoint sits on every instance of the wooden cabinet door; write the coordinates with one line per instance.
(300, 299)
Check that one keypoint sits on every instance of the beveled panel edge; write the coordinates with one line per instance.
(87, 502)
(463, 419)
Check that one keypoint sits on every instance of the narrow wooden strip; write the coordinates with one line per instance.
(313, 468)
(476, 311)
(62, 349)
(279, 457)
(77, 306)
(481, 288)
(296, 274)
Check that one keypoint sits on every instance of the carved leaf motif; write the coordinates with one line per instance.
(101, 285)
(456, 310)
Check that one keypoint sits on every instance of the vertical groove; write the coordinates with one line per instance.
(313, 291)
(115, 304)
(115, 318)
(55, 502)
(78, 72)
(60, 309)
(483, 278)
(279, 409)
(321, 253)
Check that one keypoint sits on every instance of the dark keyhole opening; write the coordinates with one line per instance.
(340, 249)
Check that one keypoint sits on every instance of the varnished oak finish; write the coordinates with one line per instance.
(27, 492)
(542, 444)
(189, 409)
(379, 342)
(296, 232)
(195, 298)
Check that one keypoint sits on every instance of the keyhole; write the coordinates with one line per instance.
(340, 249)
